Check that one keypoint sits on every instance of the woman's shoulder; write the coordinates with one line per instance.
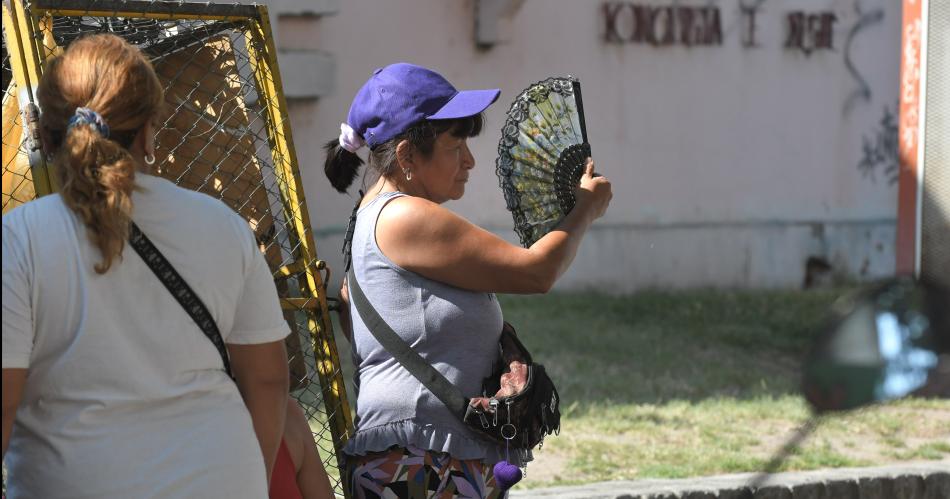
(416, 235)
(192, 212)
(416, 217)
(38, 212)
(182, 199)
(186, 203)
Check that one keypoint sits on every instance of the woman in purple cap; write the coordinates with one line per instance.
(431, 275)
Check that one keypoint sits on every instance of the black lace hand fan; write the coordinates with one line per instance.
(541, 155)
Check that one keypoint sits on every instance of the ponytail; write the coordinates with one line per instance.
(97, 185)
(96, 98)
(341, 166)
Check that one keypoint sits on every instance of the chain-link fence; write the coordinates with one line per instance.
(226, 133)
(935, 202)
(17, 178)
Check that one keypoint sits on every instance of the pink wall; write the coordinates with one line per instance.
(707, 146)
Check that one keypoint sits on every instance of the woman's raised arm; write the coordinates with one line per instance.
(421, 236)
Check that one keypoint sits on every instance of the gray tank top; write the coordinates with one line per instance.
(455, 330)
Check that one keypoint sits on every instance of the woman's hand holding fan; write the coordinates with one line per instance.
(594, 193)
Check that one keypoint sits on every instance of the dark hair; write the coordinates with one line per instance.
(342, 166)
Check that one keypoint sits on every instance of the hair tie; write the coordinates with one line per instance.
(349, 139)
(86, 116)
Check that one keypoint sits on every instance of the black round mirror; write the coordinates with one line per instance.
(882, 343)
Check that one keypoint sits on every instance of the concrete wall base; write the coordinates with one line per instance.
(924, 480)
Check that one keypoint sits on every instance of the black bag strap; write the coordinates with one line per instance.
(432, 379)
(179, 289)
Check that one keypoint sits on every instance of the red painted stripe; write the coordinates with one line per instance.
(909, 134)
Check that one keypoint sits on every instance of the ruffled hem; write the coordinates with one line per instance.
(407, 432)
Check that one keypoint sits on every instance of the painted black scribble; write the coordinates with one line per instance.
(865, 19)
(880, 150)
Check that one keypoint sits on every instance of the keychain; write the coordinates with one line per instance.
(507, 474)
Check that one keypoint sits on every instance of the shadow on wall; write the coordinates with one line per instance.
(623, 259)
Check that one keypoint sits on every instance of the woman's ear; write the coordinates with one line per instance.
(404, 157)
(144, 142)
(148, 130)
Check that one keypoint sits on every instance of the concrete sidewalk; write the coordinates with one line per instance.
(916, 480)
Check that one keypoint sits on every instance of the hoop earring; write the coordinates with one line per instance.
(148, 161)
(408, 174)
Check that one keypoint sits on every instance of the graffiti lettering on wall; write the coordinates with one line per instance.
(748, 13)
(664, 25)
(677, 24)
(880, 151)
(810, 31)
(669, 25)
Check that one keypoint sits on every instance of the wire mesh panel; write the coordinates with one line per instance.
(935, 199)
(225, 133)
(17, 178)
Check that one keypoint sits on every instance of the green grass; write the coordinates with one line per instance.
(656, 346)
(679, 384)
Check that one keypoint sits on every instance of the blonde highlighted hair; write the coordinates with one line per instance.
(97, 174)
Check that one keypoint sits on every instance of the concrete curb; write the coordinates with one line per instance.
(918, 480)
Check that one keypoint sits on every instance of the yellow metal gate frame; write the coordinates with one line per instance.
(30, 42)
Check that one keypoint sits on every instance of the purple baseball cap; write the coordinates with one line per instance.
(401, 95)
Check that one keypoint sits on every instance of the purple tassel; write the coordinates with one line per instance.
(506, 475)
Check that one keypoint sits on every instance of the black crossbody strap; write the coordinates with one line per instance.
(179, 289)
(433, 380)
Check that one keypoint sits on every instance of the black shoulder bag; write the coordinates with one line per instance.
(519, 402)
(180, 290)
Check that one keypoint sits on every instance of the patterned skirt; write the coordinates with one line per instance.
(412, 473)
